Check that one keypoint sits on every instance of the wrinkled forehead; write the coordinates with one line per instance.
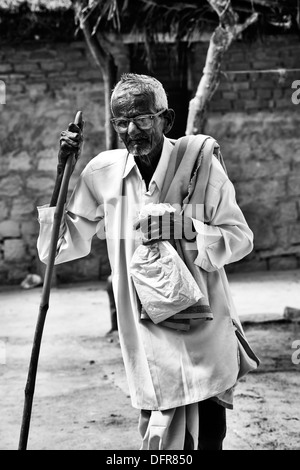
(125, 101)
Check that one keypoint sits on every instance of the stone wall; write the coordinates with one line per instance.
(45, 86)
(251, 115)
(257, 124)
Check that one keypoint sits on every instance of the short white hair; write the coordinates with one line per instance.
(145, 84)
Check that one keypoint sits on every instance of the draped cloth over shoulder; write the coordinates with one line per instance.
(185, 187)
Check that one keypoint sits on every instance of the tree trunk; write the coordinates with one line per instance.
(220, 41)
(105, 62)
(209, 82)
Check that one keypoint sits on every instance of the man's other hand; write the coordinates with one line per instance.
(70, 141)
(168, 226)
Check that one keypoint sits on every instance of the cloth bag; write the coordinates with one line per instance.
(164, 284)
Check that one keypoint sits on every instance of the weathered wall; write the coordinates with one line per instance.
(45, 86)
(251, 115)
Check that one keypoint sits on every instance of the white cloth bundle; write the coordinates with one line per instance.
(163, 282)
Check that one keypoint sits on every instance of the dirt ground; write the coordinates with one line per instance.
(81, 399)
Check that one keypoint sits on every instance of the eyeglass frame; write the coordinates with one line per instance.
(151, 116)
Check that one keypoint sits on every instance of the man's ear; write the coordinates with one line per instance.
(169, 116)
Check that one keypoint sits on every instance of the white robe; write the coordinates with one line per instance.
(165, 368)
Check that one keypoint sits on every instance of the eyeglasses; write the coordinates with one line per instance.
(143, 122)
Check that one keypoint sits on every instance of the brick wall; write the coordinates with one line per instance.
(257, 125)
(248, 92)
(45, 85)
(251, 115)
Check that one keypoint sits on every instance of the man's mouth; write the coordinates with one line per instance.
(137, 141)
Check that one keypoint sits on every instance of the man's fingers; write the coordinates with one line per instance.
(165, 227)
(65, 142)
(72, 135)
(70, 143)
(75, 128)
(70, 140)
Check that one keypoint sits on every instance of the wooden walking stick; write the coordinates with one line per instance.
(44, 304)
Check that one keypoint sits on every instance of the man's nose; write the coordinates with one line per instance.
(132, 128)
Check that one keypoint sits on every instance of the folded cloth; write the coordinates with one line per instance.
(167, 430)
(182, 320)
(164, 284)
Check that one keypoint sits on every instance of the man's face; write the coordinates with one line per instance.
(139, 142)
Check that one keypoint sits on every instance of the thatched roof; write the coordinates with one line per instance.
(54, 19)
(187, 16)
(35, 5)
(51, 20)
